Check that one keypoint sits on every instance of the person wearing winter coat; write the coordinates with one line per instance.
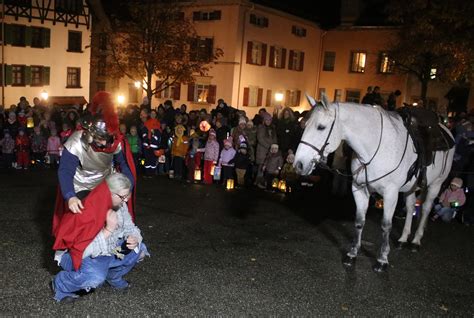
(272, 166)
(451, 199)
(211, 155)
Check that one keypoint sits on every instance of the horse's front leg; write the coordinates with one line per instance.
(389, 202)
(410, 201)
(431, 194)
(361, 198)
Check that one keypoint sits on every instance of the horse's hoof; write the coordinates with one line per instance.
(401, 245)
(380, 267)
(348, 261)
(415, 248)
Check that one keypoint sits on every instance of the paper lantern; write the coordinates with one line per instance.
(275, 183)
(213, 169)
(204, 125)
(282, 185)
(379, 204)
(171, 174)
(197, 175)
(30, 122)
(230, 184)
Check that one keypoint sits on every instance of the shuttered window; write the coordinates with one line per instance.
(253, 96)
(256, 53)
(73, 77)
(296, 61)
(202, 49)
(36, 75)
(74, 41)
(18, 75)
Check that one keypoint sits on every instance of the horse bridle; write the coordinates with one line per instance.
(321, 151)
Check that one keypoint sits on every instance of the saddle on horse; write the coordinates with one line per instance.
(424, 128)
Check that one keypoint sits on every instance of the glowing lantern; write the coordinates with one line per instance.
(379, 204)
(282, 185)
(142, 162)
(29, 122)
(213, 169)
(275, 183)
(229, 184)
(204, 125)
(171, 174)
(197, 175)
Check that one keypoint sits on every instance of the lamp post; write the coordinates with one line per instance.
(44, 95)
(137, 84)
(278, 99)
(120, 99)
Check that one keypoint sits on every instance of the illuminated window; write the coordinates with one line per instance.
(358, 60)
(202, 90)
(386, 64)
(433, 73)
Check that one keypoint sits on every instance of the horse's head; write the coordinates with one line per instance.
(321, 135)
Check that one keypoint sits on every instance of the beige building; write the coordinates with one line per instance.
(46, 50)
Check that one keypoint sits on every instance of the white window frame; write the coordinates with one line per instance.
(358, 61)
(253, 96)
(277, 57)
(257, 49)
(201, 91)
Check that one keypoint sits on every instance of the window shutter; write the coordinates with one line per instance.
(158, 89)
(210, 49)
(28, 35)
(46, 72)
(253, 19)
(264, 54)
(196, 16)
(191, 92)
(272, 57)
(8, 34)
(217, 14)
(301, 62)
(27, 73)
(298, 96)
(211, 96)
(265, 22)
(268, 101)
(304, 32)
(249, 52)
(46, 37)
(283, 58)
(246, 96)
(177, 91)
(293, 29)
(8, 75)
(290, 60)
(260, 97)
(287, 98)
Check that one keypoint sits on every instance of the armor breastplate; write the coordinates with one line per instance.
(94, 166)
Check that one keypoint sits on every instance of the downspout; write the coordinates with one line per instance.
(242, 54)
(321, 41)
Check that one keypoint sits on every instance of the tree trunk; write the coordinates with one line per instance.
(149, 89)
(424, 91)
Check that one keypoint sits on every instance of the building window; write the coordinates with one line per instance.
(296, 61)
(358, 60)
(259, 21)
(386, 64)
(133, 93)
(36, 76)
(19, 3)
(199, 93)
(102, 66)
(293, 98)
(73, 77)
(37, 37)
(100, 86)
(352, 95)
(18, 35)
(202, 49)
(69, 6)
(298, 31)
(1, 74)
(18, 75)
(253, 96)
(206, 15)
(277, 57)
(337, 95)
(103, 39)
(329, 61)
(256, 53)
(321, 91)
(74, 41)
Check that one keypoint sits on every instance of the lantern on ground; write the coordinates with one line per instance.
(275, 183)
(30, 122)
(171, 174)
(197, 175)
(282, 185)
(229, 184)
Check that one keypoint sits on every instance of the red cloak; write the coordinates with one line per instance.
(76, 231)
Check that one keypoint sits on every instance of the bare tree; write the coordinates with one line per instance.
(155, 39)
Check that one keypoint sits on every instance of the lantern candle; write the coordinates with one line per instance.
(197, 175)
(282, 185)
(275, 183)
(230, 184)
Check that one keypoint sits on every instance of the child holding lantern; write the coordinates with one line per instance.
(226, 160)
(193, 160)
(272, 166)
(211, 155)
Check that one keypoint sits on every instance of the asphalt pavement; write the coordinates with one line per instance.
(244, 252)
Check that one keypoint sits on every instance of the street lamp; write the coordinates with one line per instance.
(279, 97)
(44, 95)
(121, 99)
(137, 84)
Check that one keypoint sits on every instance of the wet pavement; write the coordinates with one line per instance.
(244, 252)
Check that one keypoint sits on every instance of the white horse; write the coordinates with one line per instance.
(384, 152)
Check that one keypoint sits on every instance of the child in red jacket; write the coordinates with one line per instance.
(22, 146)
